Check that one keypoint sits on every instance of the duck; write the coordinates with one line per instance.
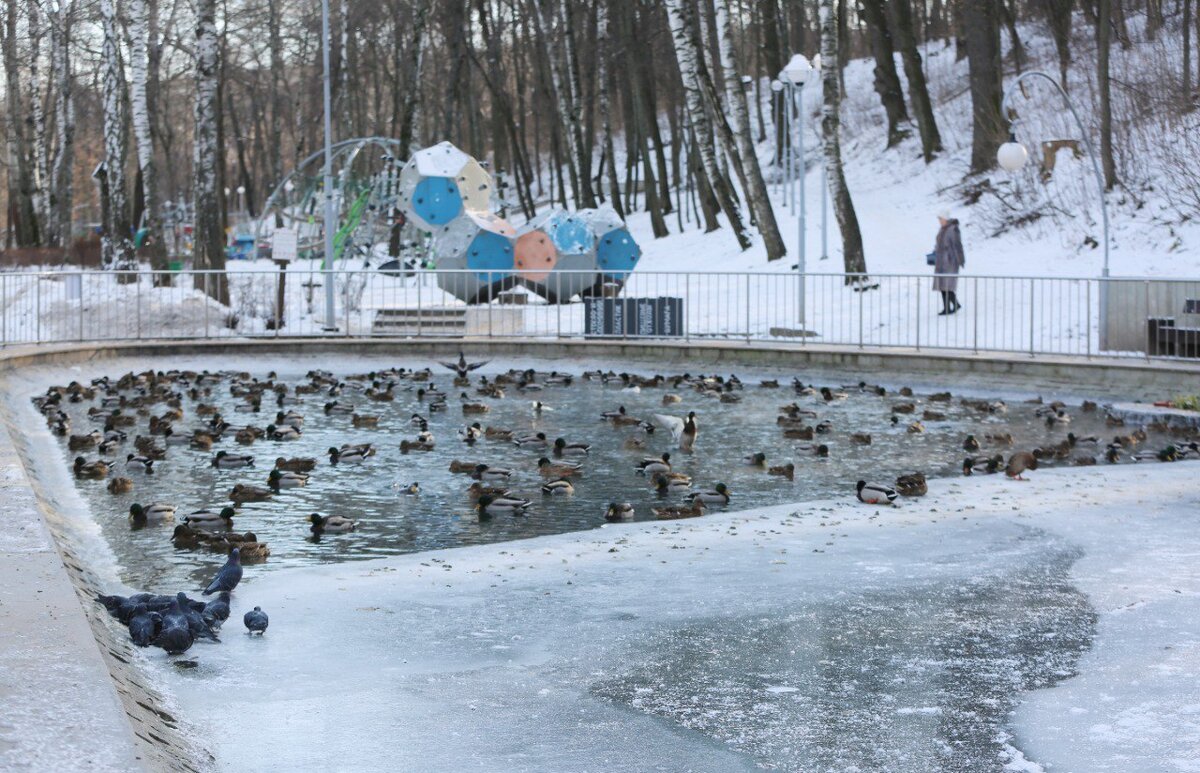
(799, 433)
(860, 439)
(350, 454)
(666, 482)
(85, 469)
(537, 440)
(821, 451)
(411, 489)
(457, 465)
(488, 505)
(1019, 463)
(414, 445)
(143, 463)
(484, 472)
(284, 432)
(672, 512)
(618, 511)
(201, 441)
(227, 461)
(784, 471)
(496, 433)
(296, 464)
(651, 465)
(1168, 454)
(474, 408)
(549, 469)
(560, 486)
(462, 368)
(279, 479)
(683, 430)
(245, 436)
(983, 465)
(913, 485)
(241, 493)
(1112, 454)
(999, 438)
(158, 512)
(718, 496)
(970, 445)
(363, 420)
(1058, 419)
(334, 408)
(875, 494)
(830, 396)
(477, 490)
(208, 519)
(471, 433)
(916, 428)
(928, 415)
(670, 398)
(1075, 440)
(755, 460)
(331, 524)
(120, 486)
(539, 407)
(563, 448)
(291, 418)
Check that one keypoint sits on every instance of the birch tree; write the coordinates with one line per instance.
(140, 12)
(60, 195)
(678, 12)
(117, 244)
(208, 237)
(604, 54)
(739, 118)
(843, 206)
(41, 160)
(20, 177)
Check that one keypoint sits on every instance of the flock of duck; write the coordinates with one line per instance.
(162, 402)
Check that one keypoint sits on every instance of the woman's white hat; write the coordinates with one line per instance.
(944, 214)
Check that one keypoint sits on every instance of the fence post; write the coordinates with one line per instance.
(975, 315)
(1031, 308)
(1146, 287)
(4, 317)
(1088, 319)
(491, 329)
(918, 315)
(81, 276)
(138, 293)
(37, 302)
(860, 318)
(420, 281)
(346, 303)
(747, 308)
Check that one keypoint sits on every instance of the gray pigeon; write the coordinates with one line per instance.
(229, 576)
(256, 621)
(175, 636)
(144, 626)
(199, 627)
(216, 611)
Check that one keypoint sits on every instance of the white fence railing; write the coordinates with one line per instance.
(1037, 316)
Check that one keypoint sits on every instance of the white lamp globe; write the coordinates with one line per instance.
(776, 86)
(816, 62)
(1012, 155)
(798, 70)
(241, 189)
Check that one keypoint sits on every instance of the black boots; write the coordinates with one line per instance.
(950, 304)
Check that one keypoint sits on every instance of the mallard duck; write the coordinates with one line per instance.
(1083, 460)
(414, 445)
(550, 469)
(334, 408)
(331, 524)
(120, 486)
(860, 439)
(683, 431)
(496, 433)
(250, 549)
(242, 493)
(488, 505)
(874, 494)
(1058, 419)
(350, 454)
(928, 415)
(536, 440)
(916, 428)
(913, 485)
(667, 482)
(970, 445)
(227, 461)
(279, 479)
(983, 465)
(799, 433)
(290, 418)
(755, 460)
(785, 471)
(1168, 454)
(245, 436)
(296, 464)
(671, 398)
(671, 512)
(622, 511)
(411, 489)
(485, 472)
(821, 451)
(463, 467)
(158, 512)
(284, 432)
(471, 433)
(143, 463)
(462, 368)
(999, 439)
(651, 465)
(563, 448)
(85, 469)
(940, 397)
(560, 486)
(209, 519)
(718, 496)
(1019, 463)
(477, 490)
(830, 396)
(1075, 440)
(539, 407)
(474, 408)
(634, 444)
(185, 537)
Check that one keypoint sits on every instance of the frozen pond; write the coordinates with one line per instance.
(442, 515)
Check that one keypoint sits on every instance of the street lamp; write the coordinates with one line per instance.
(781, 151)
(1012, 155)
(797, 73)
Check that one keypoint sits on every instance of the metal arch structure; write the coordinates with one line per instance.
(305, 178)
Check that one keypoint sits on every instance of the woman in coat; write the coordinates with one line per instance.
(948, 259)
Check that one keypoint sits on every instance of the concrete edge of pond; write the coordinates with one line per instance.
(58, 644)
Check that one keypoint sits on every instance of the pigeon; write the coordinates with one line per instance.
(256, 621)
(229, 575)
(462, 367)
(216, 611)
(199, 627)
(175, 636)
(144, 626)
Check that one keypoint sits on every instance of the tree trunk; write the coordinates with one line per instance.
(739, 118)
(409, 135)
(208, 235)
(1010, 21)
(62, 187)
(914, 71)
(1187, 52)
(843, 206)
(22, 218)
(278, 99)
(604, 56)
(983, 56)
(37, 112)
(1104, 45)
(887, 82)
(688, 59)
(140, 12)
(117, 229)
(1058, 19)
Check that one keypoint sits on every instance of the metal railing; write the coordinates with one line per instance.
(1035, 316)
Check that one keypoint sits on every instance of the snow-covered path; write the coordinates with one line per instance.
(819, 636)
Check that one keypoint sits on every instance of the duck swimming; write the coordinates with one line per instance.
(280, 479)
(718, 496)
(622, 511)
(332, 524)
(158, 512)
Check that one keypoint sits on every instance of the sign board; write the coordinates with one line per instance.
(629, 317)
(283, 244)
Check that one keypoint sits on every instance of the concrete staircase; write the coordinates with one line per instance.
(447, 322)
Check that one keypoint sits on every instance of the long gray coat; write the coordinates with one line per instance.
(948, 258)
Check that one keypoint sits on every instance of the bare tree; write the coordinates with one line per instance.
(1058, 19)
(914, 71)
(61, 196)
(1104, 45)
(983, 57)
(887, 82)
(843, 206)
(208, 234)
(41, 158)
(117, 232)
(22, 217)
(140, 13)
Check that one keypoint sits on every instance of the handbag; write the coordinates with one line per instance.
(931, 258)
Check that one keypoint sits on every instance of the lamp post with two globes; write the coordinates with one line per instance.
(1012, 155)
(798, 72)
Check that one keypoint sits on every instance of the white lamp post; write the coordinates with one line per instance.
(797, 73)
(1012, 155)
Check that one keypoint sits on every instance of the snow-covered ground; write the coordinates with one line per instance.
(826, 635)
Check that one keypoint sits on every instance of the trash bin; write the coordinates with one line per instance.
(175, 265)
